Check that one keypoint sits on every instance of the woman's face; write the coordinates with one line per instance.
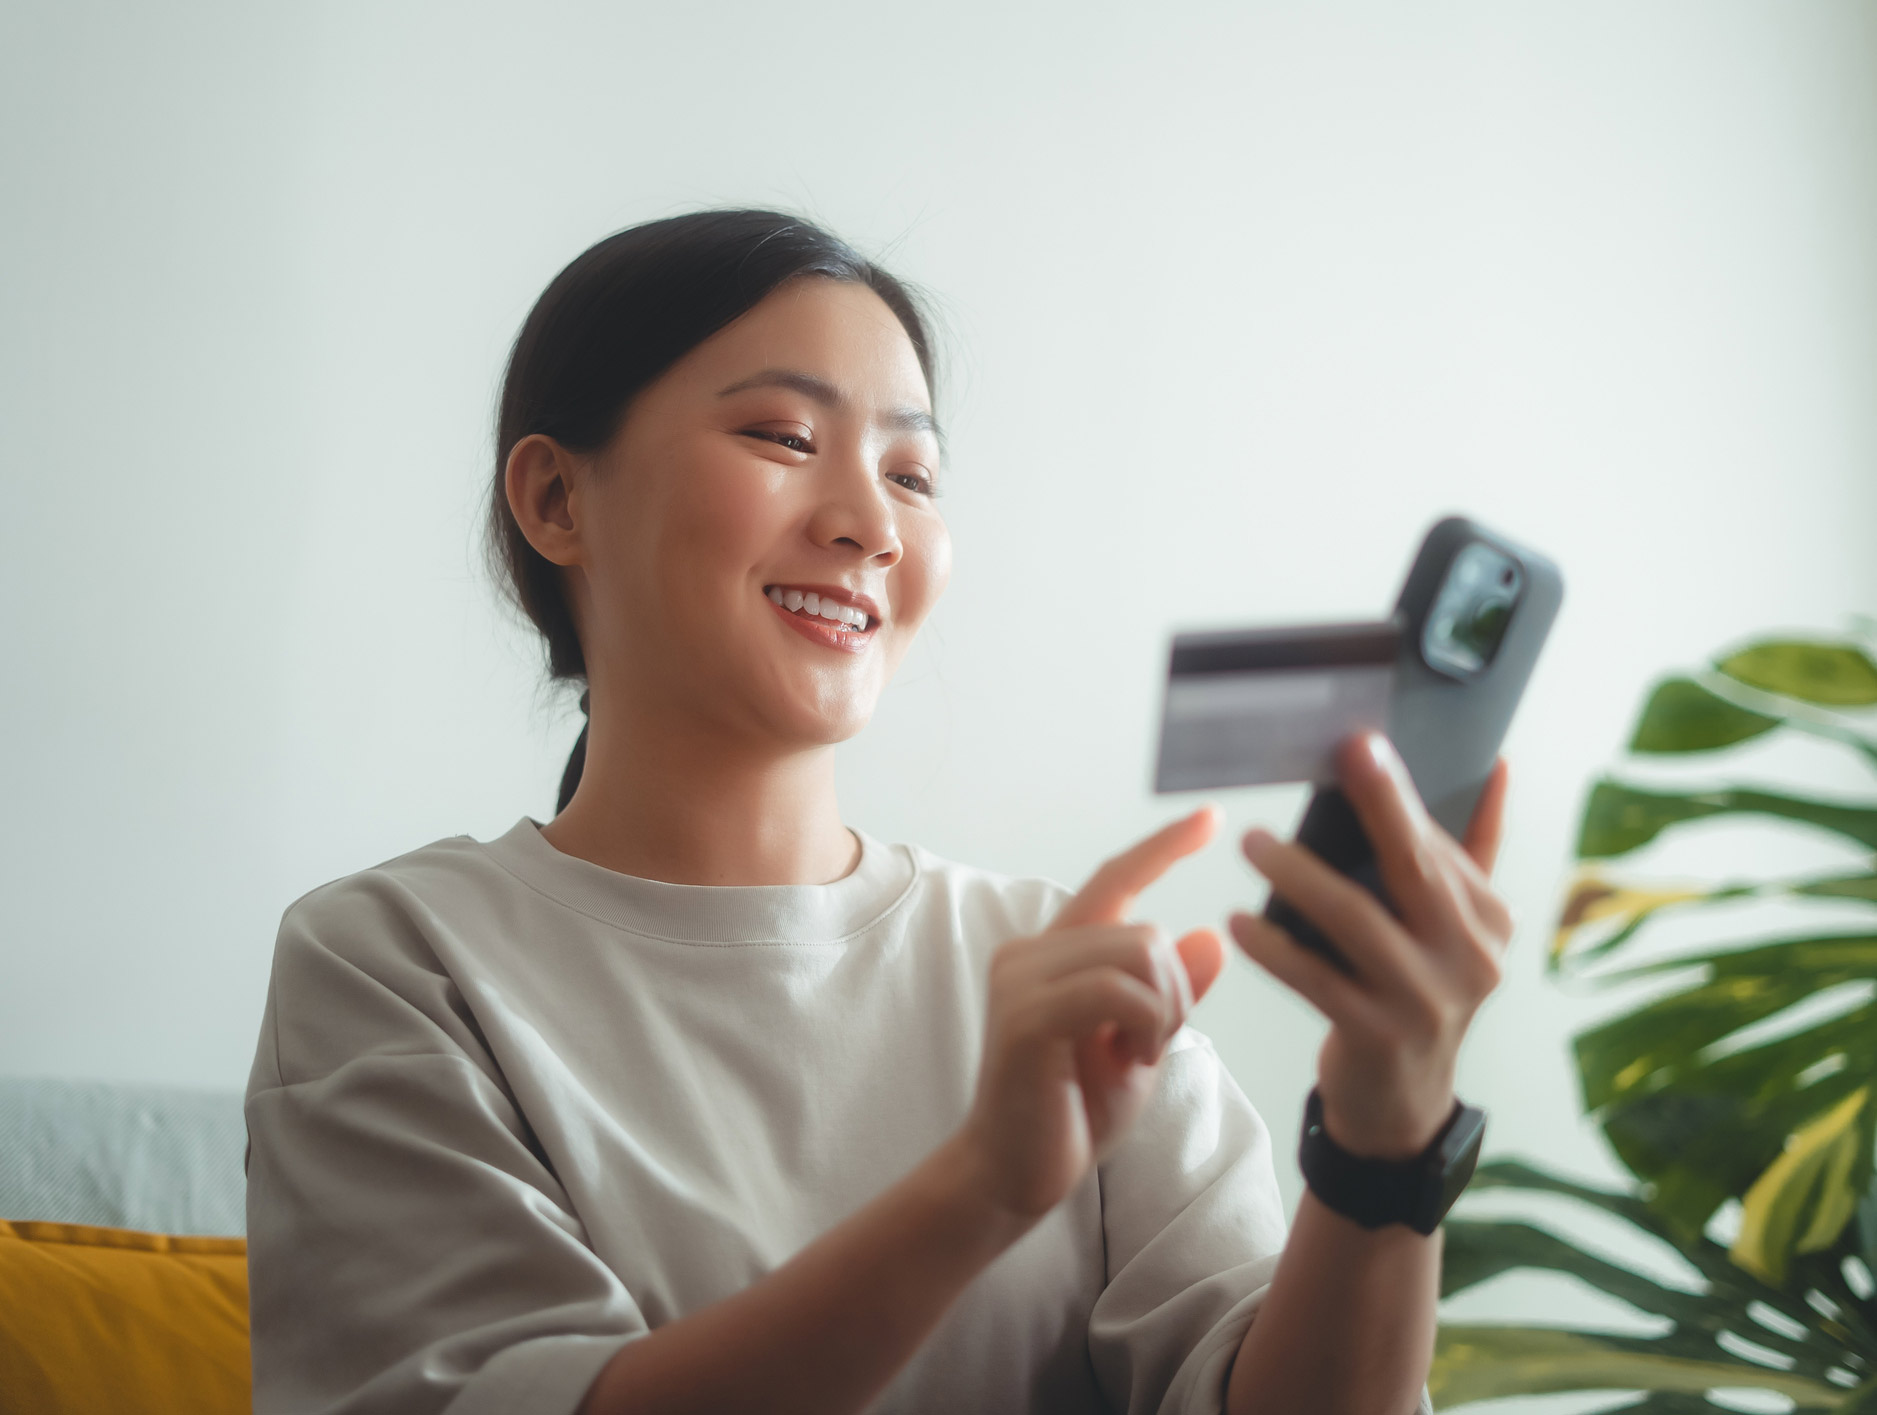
(758, 544)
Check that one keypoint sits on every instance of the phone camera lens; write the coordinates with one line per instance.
(1471, 610)
(1485, 628)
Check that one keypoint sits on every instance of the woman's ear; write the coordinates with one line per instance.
(540, 482)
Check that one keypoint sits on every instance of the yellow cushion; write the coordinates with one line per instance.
(107, 1320)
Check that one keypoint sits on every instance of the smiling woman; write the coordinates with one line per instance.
(694, 1098)
(727, 480)
(632, 311)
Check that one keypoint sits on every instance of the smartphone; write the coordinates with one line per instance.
(1442, 676)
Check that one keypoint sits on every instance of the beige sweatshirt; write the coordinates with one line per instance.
(510, 1110)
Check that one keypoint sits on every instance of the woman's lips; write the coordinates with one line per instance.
(822, 631)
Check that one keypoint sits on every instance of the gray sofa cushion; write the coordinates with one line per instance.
(158, 1158)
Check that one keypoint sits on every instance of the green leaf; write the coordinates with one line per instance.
(1832, 674)
(1731, 1289)
(1597, 899)
(1699, 1144)
(1475, 1251)
(1696, 1116)
(1723, 1088)
(1683, 716)
(1637, 1051)
(1806, 1196)
(1811, 1330)
(1829, 958)
(1620, 818)
(1486, 1362)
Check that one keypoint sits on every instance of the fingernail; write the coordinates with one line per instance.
(1257, 840)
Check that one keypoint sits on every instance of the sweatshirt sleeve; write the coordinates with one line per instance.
(410, 1249)
(1195, 1226)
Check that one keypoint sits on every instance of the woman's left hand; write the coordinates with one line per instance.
(1386, 1069)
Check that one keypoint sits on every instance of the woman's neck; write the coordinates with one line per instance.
(689, 805)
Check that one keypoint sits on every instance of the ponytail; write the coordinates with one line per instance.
(577, 759)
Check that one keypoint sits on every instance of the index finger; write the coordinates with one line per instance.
(1110, 891)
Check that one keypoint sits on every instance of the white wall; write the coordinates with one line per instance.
(1238, 297)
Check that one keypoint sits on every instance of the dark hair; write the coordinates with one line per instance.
(623, 312)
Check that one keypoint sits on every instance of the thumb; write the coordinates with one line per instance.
(1203, 953)
(1487, 827)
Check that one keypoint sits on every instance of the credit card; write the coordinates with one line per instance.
(1258, 706)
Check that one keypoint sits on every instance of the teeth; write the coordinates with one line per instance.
(821, 607)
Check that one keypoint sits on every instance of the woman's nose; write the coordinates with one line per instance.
(856, 514)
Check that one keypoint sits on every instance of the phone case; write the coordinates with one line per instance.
(1447, 730)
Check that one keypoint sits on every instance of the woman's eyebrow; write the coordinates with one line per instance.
(828, 396)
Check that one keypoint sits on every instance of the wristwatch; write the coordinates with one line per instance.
(1374, 1192)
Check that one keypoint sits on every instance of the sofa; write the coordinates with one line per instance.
(123, 1267)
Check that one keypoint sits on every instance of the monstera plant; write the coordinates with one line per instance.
(1740, 1091)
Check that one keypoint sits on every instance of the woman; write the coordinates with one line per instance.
(694, 1098)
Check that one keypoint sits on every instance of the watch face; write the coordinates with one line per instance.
(1459, 1153)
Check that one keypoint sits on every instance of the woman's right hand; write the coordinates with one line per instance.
(1079, 1016)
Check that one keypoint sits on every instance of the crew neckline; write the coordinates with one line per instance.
(745, 914)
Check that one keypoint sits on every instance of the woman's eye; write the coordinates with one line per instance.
(914, 481)
(794, 441)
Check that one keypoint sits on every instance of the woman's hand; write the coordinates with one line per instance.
(1386, 1069)
(1078, 1019)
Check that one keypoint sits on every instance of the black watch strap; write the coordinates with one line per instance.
(1416, 1191)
